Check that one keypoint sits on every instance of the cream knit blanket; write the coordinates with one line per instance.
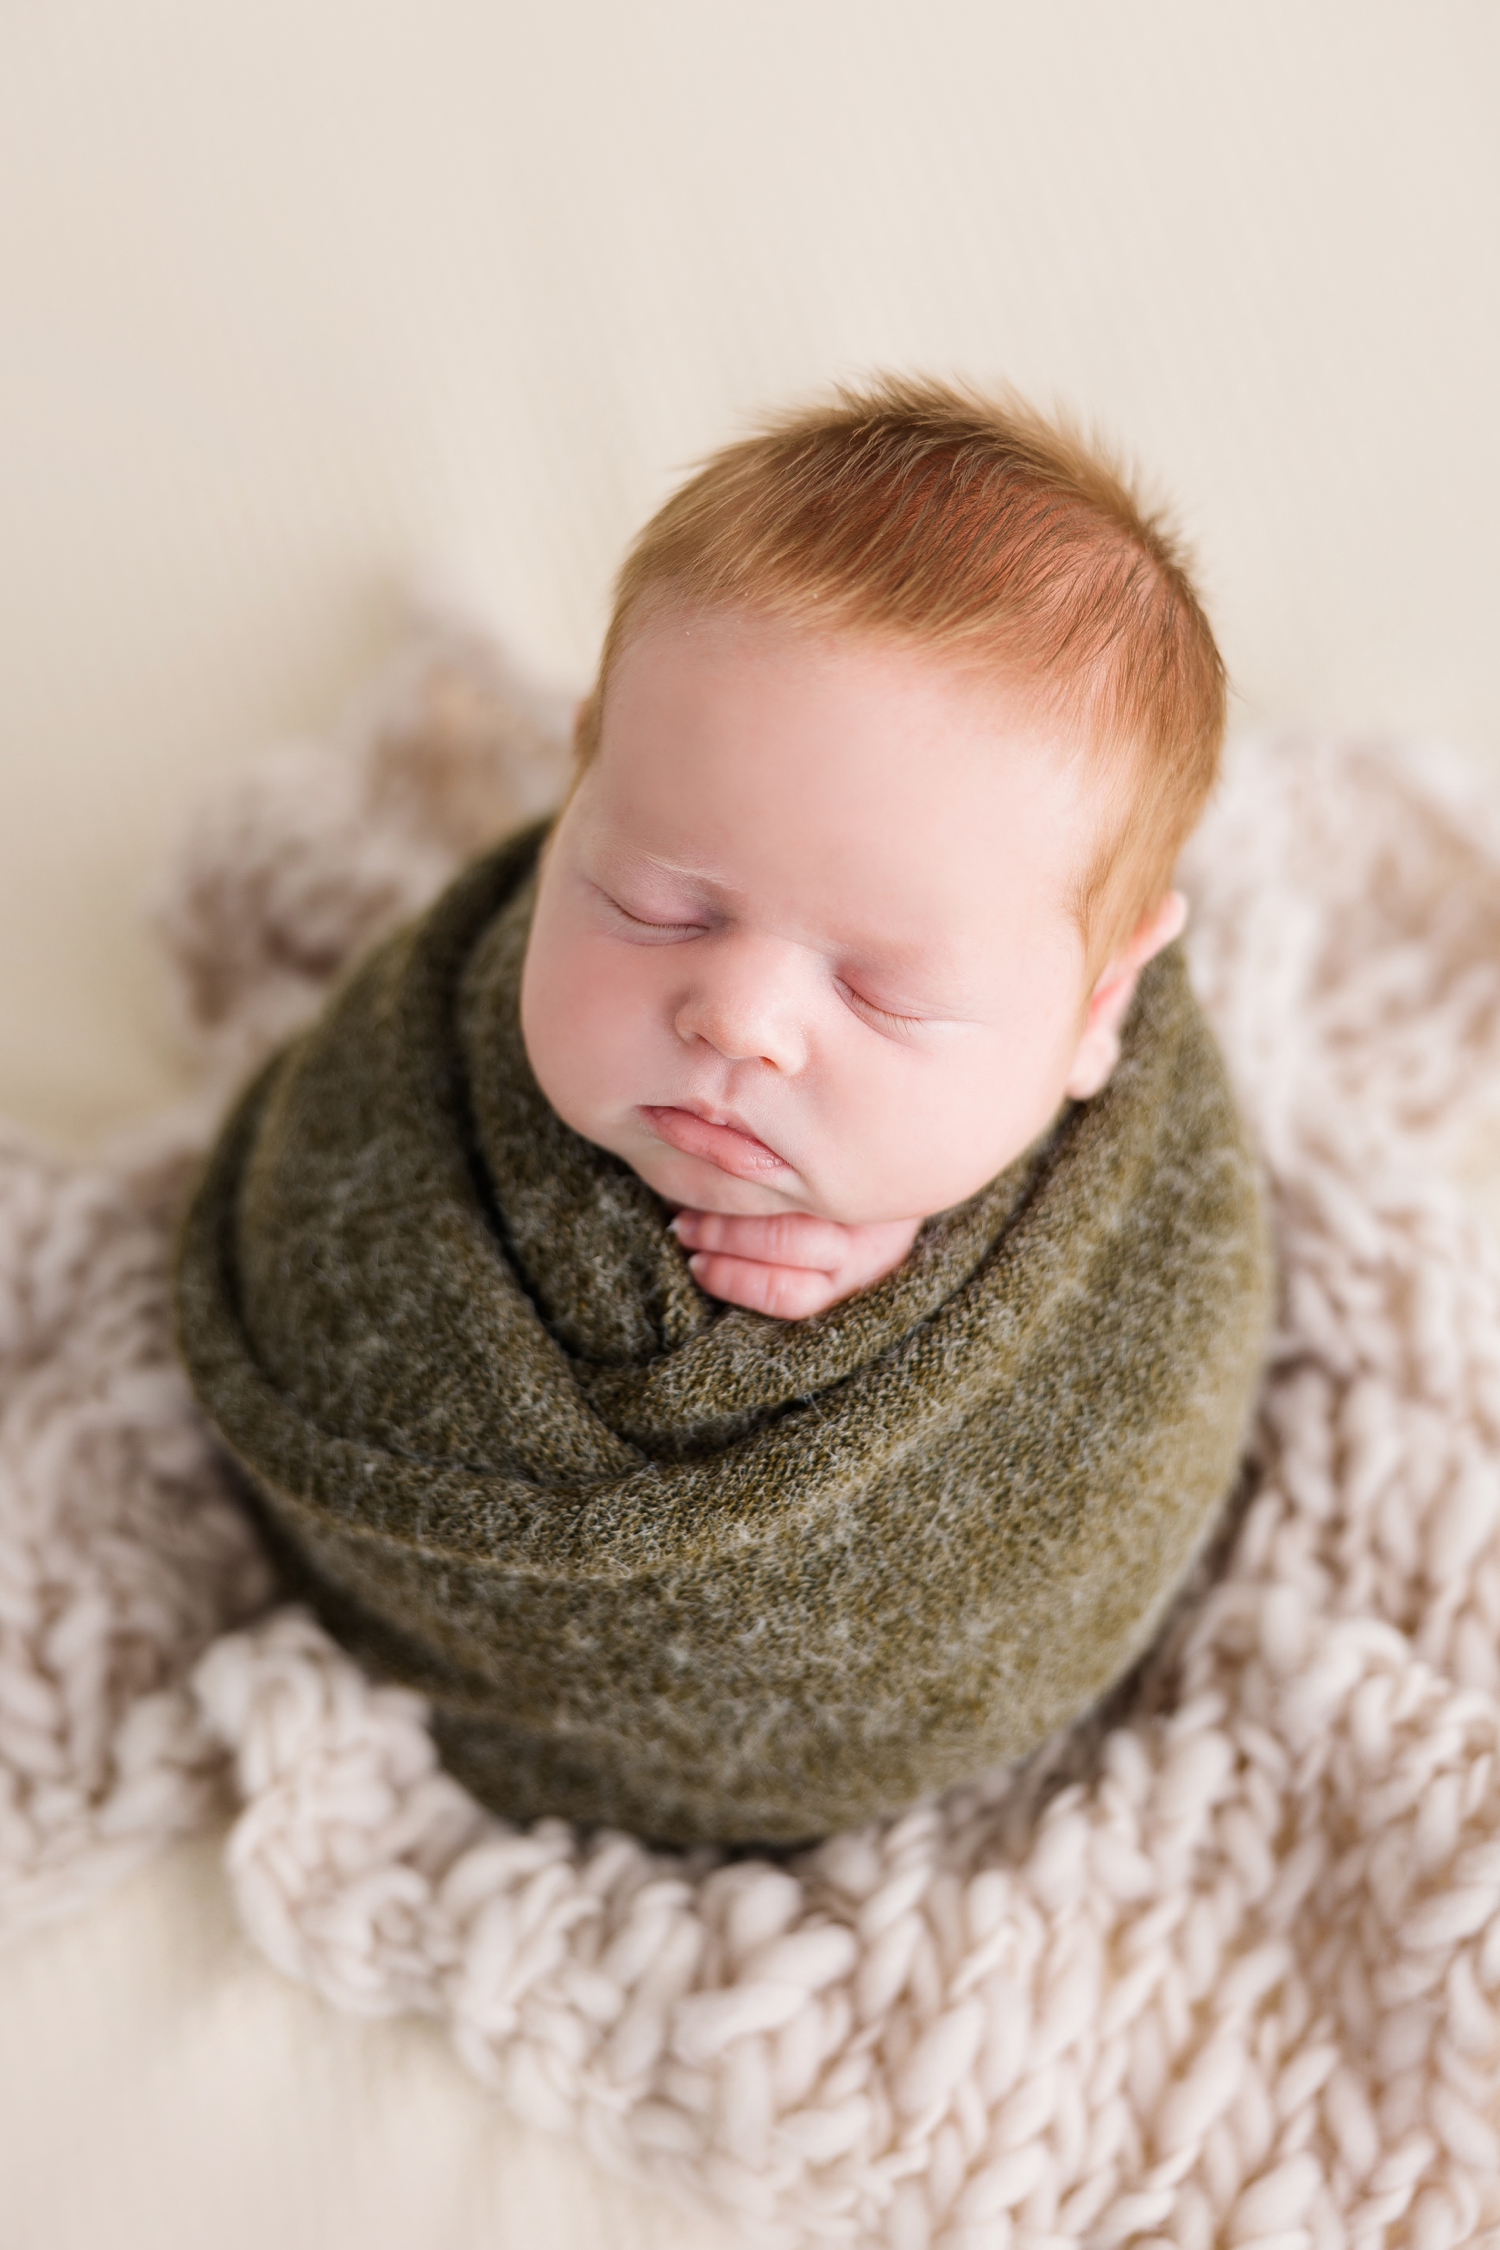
(1227, 1971)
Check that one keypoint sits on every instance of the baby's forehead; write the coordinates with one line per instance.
(711, 685)
(721, 647)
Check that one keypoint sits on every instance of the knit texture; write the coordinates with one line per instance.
(681, 1569)
(1237, 1983)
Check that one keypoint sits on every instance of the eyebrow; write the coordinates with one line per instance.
(609, 857)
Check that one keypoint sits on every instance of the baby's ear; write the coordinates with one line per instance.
(1109, 1003)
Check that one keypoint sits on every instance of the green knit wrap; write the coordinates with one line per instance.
(680, 1568)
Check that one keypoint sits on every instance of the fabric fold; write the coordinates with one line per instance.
(672, 1566)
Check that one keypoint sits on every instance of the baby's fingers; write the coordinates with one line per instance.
(784, 1292)
(791, 1238)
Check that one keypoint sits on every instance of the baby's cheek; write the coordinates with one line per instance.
(599, 1030)
(890, 1138)
(958, 1125)
(557, 1024)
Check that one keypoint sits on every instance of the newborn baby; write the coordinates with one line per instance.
(905, 714)
(840, 991)
(807, 951)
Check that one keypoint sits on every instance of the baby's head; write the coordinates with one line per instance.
(904, 715)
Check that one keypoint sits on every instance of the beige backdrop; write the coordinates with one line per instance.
(304, 300)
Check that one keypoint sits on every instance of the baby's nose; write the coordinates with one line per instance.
(745, 1009)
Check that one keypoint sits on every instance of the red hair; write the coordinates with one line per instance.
(971, 527)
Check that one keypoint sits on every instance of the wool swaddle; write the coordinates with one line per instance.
(673, 1566)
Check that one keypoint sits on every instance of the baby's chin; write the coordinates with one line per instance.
(694, 1183)
(689, 1184)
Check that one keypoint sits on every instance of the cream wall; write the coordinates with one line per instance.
(302, 297)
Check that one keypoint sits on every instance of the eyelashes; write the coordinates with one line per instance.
(883, 1019)
(660, 930)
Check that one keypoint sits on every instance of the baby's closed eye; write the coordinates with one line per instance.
(649, 928)
(888, 1020)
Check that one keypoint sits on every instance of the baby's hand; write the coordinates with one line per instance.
(792, 1265)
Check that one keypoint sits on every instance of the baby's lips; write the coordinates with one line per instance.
(726, 1147)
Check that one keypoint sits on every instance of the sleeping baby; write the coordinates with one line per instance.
(752, 1304)
(905, 715)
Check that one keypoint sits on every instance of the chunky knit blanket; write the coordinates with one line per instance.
(689, 1571)
(1224, 1971)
